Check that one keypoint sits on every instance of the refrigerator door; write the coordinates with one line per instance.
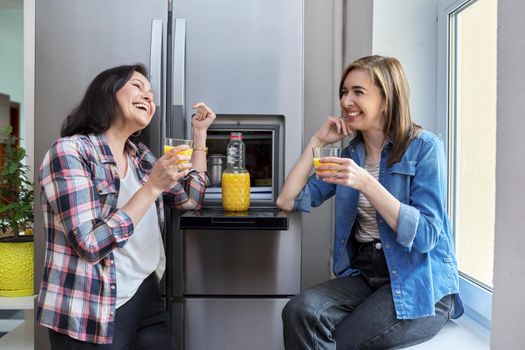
(76, 39)
(242, 262)
(233, 324)
(242, 57)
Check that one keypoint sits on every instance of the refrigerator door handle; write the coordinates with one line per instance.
(155, 65)
(179, 83)
(156, 59)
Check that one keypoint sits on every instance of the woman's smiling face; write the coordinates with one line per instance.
(362, 102)
(135, 105)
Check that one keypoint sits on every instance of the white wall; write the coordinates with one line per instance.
(318, 98)
(336, 32)
(27, 117)
(508, 324)
(12, 53)
(407, 30)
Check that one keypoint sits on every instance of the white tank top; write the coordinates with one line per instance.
(143, 253)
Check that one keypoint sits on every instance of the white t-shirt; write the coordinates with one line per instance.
(143, 253)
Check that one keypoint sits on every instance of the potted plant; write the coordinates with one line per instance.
(16, 220)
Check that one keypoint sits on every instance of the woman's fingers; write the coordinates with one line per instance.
(336, 167)
(202, 111)
(344, 125)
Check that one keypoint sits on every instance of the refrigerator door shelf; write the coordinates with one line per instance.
(217, 219)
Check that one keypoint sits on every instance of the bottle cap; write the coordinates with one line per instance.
(235, 136)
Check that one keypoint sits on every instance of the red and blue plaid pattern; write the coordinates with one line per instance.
(79, 195)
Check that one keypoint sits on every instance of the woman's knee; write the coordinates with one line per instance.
(302, 306)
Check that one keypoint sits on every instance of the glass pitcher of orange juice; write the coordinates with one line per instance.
(235, 179)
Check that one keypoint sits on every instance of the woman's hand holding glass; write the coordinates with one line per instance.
(180, 157)
(320, 155)
(181, 150)
(343, 171)
(169, 169)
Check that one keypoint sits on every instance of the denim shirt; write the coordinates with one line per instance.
(420, 255)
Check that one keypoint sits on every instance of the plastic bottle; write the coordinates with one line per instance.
(235, 179)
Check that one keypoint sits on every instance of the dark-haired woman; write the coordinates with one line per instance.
(396, 274)
(102, 197)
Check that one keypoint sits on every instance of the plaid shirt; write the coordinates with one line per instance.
(80, 187)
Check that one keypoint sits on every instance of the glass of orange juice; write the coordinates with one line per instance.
(321, 152)
(170, 143)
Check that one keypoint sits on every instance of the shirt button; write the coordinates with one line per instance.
(398, 291)
(112, 262)
(111, 313)
(381, 221)
(378, 245)
(394, 272)
(113, 286)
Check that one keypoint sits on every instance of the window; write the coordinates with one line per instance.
(471, 47)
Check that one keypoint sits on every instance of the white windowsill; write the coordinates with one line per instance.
(463, 333)
(17, 303)
(22, 336)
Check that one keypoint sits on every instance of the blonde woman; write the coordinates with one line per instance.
(396, 273)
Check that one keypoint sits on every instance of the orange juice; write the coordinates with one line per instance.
(236, 191)
(187, 152)
(318, 163)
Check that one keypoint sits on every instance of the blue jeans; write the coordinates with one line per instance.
(357, 312)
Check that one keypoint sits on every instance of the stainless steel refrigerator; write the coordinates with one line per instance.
(242, 57)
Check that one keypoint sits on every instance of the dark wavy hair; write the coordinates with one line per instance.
(96, 111)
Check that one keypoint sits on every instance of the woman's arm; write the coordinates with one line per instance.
(74, 195)
(188, 194)
(352, 175)
(164, 176)
(201, 121)
(419, 222)
(298, 177)
(332, 130)
(423, 219)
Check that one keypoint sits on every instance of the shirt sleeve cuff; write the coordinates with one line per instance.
(407, 225)
(121, 226)
(303, 202)
(200, 177)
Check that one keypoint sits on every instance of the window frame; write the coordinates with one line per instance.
(477, 298)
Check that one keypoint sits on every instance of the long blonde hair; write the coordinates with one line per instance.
(388, 75)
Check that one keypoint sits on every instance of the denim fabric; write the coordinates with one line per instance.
(357, 312)
(420, 255)
(141, 323)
